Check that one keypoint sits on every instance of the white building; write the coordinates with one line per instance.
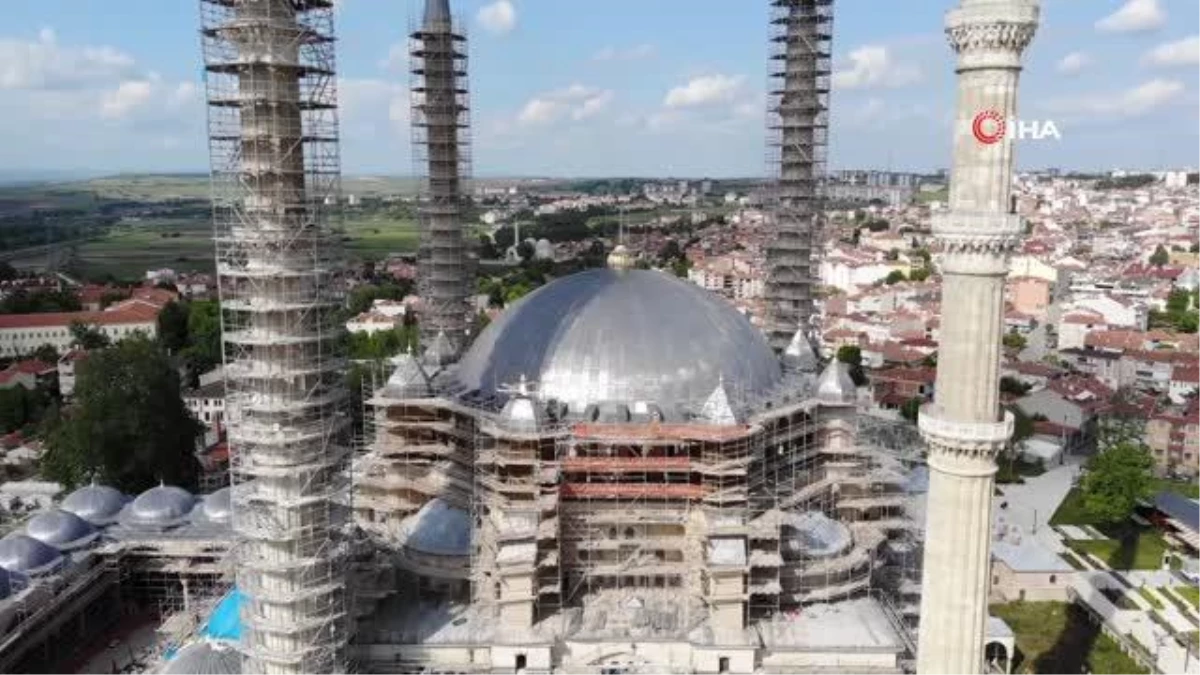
(731, 276)
(23, 333)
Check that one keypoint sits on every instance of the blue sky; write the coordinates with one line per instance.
(646, 87)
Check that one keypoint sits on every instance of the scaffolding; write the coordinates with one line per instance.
(273, 141)
(797, 126)
(441, 157)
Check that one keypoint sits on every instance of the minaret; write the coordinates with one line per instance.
(797, 127)
(271, 82)
(964, 426)
(440, 121)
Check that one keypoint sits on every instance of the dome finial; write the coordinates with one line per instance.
(620, 259)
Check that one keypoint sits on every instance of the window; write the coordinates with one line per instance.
(995, 580)
(1053, 578)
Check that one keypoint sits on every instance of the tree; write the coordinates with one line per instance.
(1178, 300)
(203, 351)
(1013, 386)
(1015, 341)
(851, 355)
(894, 277)
(46, 353)
(911, 409)
(1160, 256)
(173, 326)
(129, 427)
(919, 274)
(87, 337)
(1116, 479)
(7, 271)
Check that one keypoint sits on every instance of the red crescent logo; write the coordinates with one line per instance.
(988, 127)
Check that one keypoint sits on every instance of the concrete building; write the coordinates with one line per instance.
(1025, 571)
(964, 426)
(23, 333)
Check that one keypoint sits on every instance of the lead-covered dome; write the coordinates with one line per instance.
(214, 508)
(63, 530)
(26, 555)
(160, 507)
(621, 336)
(97, 504)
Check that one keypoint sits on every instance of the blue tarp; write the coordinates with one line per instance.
(225, 623)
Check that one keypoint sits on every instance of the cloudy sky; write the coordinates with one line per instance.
(631, 87)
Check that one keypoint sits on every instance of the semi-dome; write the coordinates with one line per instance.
(61, 529)
(161, 507)
(621, 335)
(97, 504)
(214, 508)
(813, 534)
(26, 555)
(206, 657)
(438, 529)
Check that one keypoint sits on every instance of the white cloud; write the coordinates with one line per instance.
(1134, 102)
(1073, 63)
(704, 90)
(1185, 52)
(578, 102)
(634, 53)
(871, 67)
(498, 17)
(44, 64)
(127, 97)
(396, 59)
(1134, 16)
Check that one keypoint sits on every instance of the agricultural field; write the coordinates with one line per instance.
(376, 235)
(130, 249)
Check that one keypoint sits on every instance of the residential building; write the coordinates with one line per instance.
(1173, 437)
(29, 373)
(1029, 296)
(207, 402)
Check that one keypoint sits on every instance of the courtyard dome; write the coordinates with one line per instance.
(97, 504)
(160, 507)
(627, 336)
(26, 555)
(61, 529)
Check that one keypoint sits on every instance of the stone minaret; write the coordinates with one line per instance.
(964, 426)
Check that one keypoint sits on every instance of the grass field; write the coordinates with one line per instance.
(1131, 547)
(1189, 593)
(373, 237)
(1057, 637)
(132, 248)
(163, 187)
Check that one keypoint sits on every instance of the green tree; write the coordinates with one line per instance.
(1160, 256)
(911, 409)
(1178, 300)
(1116, 479)
(1013, 386)
(919, 274)
(129, 426)
(87, 337)
(851, 355)
(203, 351)
(47, 353)
(1015, 341)
(20, 407)
(895, 277)
(173, 326)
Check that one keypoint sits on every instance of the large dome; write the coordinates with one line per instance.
(621, 336)
(160, 507)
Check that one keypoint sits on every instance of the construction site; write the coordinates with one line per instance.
(619, 474)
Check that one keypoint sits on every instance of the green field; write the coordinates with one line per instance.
(132, 248)
(1189, 593)
(165, 187)
(1056, 637)
(373, 237)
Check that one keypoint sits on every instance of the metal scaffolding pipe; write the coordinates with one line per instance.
(271, 89)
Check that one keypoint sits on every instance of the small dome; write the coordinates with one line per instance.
(438, 529)
(206, 658)
(61, 529)
(161, 507)
(800, 354)
(214, 508)
(97, 504)
(26, 555)
(836, 385)
(440, 351)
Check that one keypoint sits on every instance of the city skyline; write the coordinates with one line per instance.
(626, 92)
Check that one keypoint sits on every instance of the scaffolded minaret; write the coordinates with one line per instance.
(440, 124)
(964, 426)
(272, 99)
(802, 32)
